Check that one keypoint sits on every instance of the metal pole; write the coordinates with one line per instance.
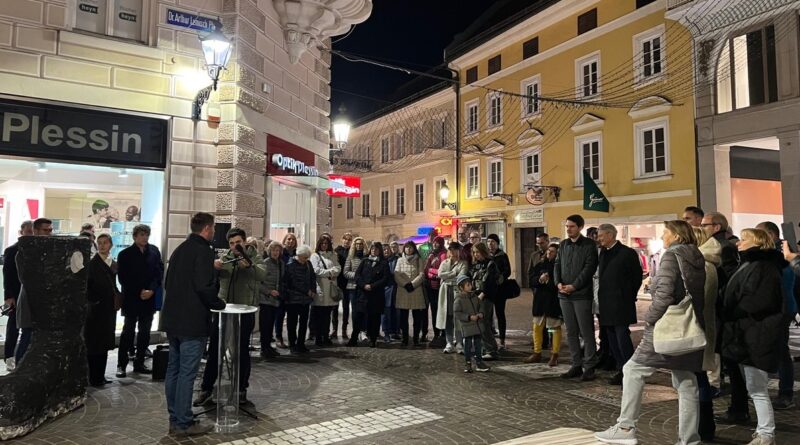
(457, 86)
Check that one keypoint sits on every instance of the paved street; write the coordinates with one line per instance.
(396, 395)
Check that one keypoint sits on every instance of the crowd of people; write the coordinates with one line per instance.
(741, 292)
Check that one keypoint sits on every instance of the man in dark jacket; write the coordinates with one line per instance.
(11, 288)
(140, 274)
(575, 266)
(41, 227)
(190, 293)
(341, 281)
(619, 279)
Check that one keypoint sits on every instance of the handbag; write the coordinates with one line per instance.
(678, 332)
(510, 289)
(336, 293)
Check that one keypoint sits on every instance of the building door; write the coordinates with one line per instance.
(527, 241)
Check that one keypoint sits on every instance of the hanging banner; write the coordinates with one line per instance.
(344, 186)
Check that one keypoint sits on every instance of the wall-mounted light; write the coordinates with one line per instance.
(123, 173)
(444, 193)
(41, 167)
(216, 51)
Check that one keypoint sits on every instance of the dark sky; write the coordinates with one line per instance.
(409, 33)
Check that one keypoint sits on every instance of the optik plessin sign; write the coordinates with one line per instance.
(66, 133)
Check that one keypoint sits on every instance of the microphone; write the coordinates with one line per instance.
(243, 254)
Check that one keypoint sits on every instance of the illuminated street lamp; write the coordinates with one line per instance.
(217, 52)
(341, 131)
(444, 193)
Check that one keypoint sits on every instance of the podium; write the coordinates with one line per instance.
(230, 320)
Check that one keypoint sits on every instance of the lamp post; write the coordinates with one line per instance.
(341, 131)
(216, 51)
(444, 193)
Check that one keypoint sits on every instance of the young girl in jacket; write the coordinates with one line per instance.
(466, 309)
(546, 309)
(448, 271)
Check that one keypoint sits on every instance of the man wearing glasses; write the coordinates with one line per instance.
(716, 225)
(693, 215)
(474, 238)
(341, 281)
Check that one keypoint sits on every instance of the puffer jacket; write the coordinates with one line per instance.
(410, 269)
(448, 272)
(273, 280)
(752, 311)
(326, 267)
(668, 289)
(350, 267)
(575, 264)
(435, 259)
(485, 277)
(297, 282)
(712, 252)
(241, 285)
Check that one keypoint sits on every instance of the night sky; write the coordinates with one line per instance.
(409, 33)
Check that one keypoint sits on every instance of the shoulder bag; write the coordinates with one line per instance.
(678, 332)
(336, 293)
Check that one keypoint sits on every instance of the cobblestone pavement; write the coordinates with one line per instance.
(415, 396)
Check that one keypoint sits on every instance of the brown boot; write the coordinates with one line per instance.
(536, 357)
(553, 359)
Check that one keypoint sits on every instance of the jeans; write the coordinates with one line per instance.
(487, 335)
(619, 341)
(24, 342)
(296, 324)
(786, 368)
(184, 359)
(12, 334)
(266, 320)
(500, 313)
(757, 381)
(345, 313)
(211, 371)
(389, 321)
(417, 315)
(578, 319)
(472, 348)
(127, 336)
(321, 316)
(738, 388)
(683, 381)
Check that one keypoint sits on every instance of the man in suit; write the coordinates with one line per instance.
(619, 279)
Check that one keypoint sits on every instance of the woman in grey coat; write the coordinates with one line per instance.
(681, 263)
(270, 299)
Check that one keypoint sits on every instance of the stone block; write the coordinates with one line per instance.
(298, 107)
(291, 84)
(321, 103)
(323, 136)
(180, 176)
(224, 202)
(178, 64)
(19, 63)
(243, 181)
(245, 223)
(322, 70)
(250, 159)
(204, 201)
(194, 153)
(142, 81)
(207, 6)
(324, 88)
(226, 132)
(281, 98)
(75, 71)
(37, 39)
(258, 184)
(306, 129)
(265, 46)
(247, 79)
(110, 57)
(250, 12)
(227, 93)
(249, 204)
(24, 10)
(225, 178)
(282, 116)
(166, 38)
(252, 101)
(56, 16)
(188, 42)
(247, 33)
(6, 32)
(180, 200)
(205, 177)
(245, 135)
(249, 56)
(273, 72)
(206, 132)
(225, 155)
(182, 128)
(178, 224)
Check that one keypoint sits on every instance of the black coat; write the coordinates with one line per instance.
(298, 280)
(485, 277)
(341, 255)
(730, 259)
(101, 322)
(139, 271)
(545, 299)
(619, 279)
(752, 311)
(11, 283)
(377, 275)
(191, 289)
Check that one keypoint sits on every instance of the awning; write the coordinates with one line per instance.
(416, 239)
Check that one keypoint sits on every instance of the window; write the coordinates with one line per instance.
(400, 201)
(494, 64)
(349, 207)
(587, 21)
(530, 89)
(365, 205)
(587, 72)
(643, 3)
(472, 116)
(652, 148)
(118, 18)
(495, 116)
(531, 167)
(648, 51)
(589, 157)
(384, 202)
(384, 150)
(472, 75)
(747, 71)
(495, 177)
(473, 181)
(530, 48)
(437, 185)
(419, 197)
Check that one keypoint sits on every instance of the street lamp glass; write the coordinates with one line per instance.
(341, 131)
(444, 192)
(217, 51)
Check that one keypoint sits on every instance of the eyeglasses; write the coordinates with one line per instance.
(707, 224)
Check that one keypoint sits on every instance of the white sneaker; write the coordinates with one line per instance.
(10, 364)
(448, 349)
(759, 439)
(460, 349)
(617, 435)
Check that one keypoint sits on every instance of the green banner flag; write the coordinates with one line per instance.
(593, 198)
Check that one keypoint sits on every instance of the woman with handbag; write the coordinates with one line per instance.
(752, 322)
(327, 269)
(504, 267)
(104, 301)
(372, 277)
(681, 279)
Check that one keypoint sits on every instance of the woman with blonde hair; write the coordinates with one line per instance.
(752, 322)
(681, 272)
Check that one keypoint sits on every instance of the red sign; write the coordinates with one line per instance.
(344, 186)
(287, 159)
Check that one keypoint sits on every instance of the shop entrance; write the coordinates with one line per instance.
(527, 244)
(290, 212)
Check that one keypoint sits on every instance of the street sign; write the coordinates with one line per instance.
(191, 21)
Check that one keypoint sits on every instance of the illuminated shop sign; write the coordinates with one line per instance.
(293, 165)
(287, 159)
(344, 186)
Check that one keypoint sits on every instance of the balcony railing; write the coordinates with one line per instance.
(672, 4)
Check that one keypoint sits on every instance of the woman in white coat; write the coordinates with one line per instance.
(327, 269)
(449, 270)
(409, 274)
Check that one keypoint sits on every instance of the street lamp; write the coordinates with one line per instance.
(216, 51)
(444, 193)
(341, 131)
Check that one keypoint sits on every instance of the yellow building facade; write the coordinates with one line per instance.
(608, 76)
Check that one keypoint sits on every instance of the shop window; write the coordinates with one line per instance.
(747, 71)
(495, 115)
(349, 203)
(588, 157)
(472, 75)
(587, 21)
(648, 50)
(400, 201)
(530, 89)
(384, 202)
(587, 75)
(118, 18)
(472, 116)
(530, 48)
(531, 168)
(495, 177)
(437, 185)
(384, 150)
(365, 205)
(473, 180)
(419, 197)
(652, 148)
(495, 64)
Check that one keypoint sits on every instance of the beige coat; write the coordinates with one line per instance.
(326, 267)
(410, 269)
(712, 252)
(448, 275)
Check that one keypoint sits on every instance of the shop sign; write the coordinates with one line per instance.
(344, 186)
(529, 216)
(446, 222)
(425, 230)
(191, 21)
(57, 132)
(287, 159)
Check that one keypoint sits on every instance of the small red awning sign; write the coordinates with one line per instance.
(344, 186)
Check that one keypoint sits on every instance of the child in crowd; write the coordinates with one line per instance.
(465, 310)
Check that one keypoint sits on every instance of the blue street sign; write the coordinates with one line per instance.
(191, 21)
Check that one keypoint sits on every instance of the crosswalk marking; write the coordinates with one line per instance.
(559, 436)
